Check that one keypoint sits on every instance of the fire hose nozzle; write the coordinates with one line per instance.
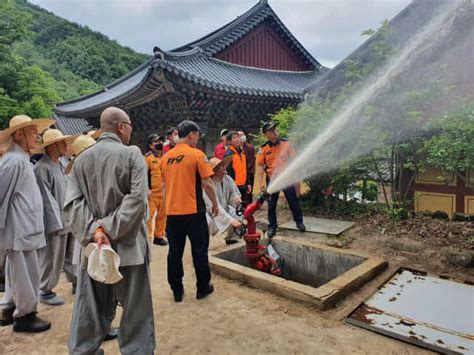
(264, 196)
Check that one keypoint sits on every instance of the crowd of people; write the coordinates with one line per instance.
(95, 193)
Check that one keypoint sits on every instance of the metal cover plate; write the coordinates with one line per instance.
(321, 225)
(427, 311)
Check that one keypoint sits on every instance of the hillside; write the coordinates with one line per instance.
(45, 59)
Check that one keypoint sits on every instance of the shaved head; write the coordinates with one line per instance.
(115, 120)
(110, 117)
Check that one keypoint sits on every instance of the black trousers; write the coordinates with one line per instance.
(195, 227)
(245, 196)
(290, 194)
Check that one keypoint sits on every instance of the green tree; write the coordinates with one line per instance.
(451, 147)
(45, 59)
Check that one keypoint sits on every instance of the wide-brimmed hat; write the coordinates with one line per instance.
(83, 142)
(269, 125)
(214, 162)
(95, 133)
(51, 136)
(79, 144)
(103, 263)
(23, 121)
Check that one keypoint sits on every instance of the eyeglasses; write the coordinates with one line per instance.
(127, 123)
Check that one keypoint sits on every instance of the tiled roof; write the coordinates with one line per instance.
(196, 67)
(218, 40)
(111, 92)
(69, 125)
(220, 75)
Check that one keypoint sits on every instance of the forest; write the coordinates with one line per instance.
(45, 59)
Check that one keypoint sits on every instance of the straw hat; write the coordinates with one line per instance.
(214, 162)
(85, 141)
(95, 133)
(23, 121)
(103, 263)
(52, 136)
(79, 144)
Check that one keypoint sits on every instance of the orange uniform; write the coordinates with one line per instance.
(238, 168)
(182, 169)
(275, 157)
(156, 203)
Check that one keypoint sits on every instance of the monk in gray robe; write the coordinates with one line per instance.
(69, 266)
(229, 197)
(52, 183)
(21, 225)
(106, 203)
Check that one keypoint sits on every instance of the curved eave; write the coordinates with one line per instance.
(122, 87)
(200, 71)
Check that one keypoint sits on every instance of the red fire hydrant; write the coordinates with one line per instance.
(254, 252)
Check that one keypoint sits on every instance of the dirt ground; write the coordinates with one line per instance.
(237, 319)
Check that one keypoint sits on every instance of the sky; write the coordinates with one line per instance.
(329, 29)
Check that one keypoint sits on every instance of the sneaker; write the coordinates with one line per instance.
(30, 323)
(271, 232)
(6, 316)
(51, 299)
(160, 241)
(301, 227)
(200, 294)
(112, 334)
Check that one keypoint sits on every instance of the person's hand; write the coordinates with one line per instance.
(262, 187)
(249, 189)
(237, 200)
(215, 210)
(236, 224)
(101, 238)
(149, 194)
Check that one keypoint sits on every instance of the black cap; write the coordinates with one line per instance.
(224, 132)
(151, 138)
(269, 125)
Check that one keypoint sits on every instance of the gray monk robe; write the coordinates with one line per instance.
(21, 230)
(3, 258)
(109, 183)
(52, 184)
(71, 244)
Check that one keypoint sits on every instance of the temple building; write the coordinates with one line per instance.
(234, 77)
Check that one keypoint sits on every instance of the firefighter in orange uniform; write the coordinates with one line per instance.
(274, 156)
(237, 169)
(156, 201)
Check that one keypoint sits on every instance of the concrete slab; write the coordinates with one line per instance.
(320, 226)
(327, 274)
